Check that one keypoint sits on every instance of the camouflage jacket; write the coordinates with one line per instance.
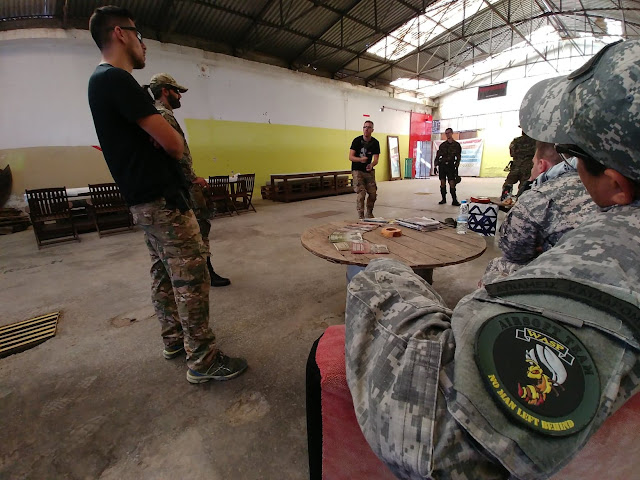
(185, 162)
(522, 149)
(539, 219)
(411, 362)
(448, 153)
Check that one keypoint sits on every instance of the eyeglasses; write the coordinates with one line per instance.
(568, 151)
(133, 29)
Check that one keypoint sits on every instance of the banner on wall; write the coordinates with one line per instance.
(471, 156)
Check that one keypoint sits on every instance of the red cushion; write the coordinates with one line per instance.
(612, 452)
(346, 455)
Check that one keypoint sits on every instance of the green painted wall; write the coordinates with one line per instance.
(264, 149)
(495, 155)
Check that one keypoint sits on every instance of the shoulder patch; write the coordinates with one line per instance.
(538, 372)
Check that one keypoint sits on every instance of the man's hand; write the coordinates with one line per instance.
(201, 181)
(435, 170)
(364, 159)
(369, 167)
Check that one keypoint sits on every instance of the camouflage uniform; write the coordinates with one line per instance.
(418, 395)
(406, 353)
(180, 280)
(196, 192)
(538, 220)
(363, 183)
(522, 149)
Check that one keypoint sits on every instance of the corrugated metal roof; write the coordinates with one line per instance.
(333, 36)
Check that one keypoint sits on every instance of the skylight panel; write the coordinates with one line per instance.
(437, 19)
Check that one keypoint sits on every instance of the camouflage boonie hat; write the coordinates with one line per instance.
(160, 80)
(597, 108)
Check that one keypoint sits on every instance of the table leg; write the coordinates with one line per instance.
(425, 273)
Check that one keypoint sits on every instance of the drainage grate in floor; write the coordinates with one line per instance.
(328, 213)
(21, 336)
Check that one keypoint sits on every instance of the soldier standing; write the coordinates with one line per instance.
(364, 154)
(522, 149)
(142, 152)
(167, 94)
(446, 166)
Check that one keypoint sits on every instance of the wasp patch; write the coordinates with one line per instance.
(538, 372)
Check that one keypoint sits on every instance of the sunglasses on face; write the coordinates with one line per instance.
(133, 29)
(568, 151)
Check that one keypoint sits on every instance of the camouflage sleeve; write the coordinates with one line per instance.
(512, 147)
(497, 269)
(520, 231)
(398, 338)
(185, 161)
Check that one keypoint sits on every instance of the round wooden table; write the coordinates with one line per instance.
(422, 251)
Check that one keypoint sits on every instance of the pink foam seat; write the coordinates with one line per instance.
(613, 452)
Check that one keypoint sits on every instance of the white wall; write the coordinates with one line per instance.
(462, 110)
(44, 73)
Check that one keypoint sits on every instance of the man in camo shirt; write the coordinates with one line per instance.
(167, 94)
(514, 381)
(557, 203)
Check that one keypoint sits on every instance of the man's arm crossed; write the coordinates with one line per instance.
(164, 134)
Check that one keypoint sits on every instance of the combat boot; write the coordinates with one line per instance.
(369, 214)
(454, 198)
(216, 280)
(443, 192)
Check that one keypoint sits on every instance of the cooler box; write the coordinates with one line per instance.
(483, 218)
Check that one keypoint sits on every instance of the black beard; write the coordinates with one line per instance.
(173, 102)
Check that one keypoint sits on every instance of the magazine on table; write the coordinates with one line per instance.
(358, 227)
(375, 220)
(350, 236)
(343, 246)
(423, 224)
(366, 247)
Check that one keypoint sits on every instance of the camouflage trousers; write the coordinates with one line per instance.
(179, 280)
(202, 212)
(497, 269)
(399, 345)
(520, 172)
(363, 183)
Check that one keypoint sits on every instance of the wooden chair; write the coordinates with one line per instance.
(51, 216)
(244, 190)
(219, 192)
(110, 212)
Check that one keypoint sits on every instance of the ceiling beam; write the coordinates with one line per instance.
(341, 16)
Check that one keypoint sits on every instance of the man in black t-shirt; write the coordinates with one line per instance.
(364, 153)
(142, 152)
(447, 161)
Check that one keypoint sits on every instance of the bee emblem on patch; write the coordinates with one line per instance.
(538, 372)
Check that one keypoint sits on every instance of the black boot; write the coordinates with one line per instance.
(216, 280)
(454, 198)
(443, 191)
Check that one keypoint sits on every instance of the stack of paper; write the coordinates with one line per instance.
(423, 224)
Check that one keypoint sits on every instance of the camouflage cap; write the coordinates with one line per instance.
(596, 107)
(160, 80)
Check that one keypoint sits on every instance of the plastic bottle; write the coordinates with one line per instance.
(463, 218)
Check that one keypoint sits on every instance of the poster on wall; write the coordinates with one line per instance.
(471, 156)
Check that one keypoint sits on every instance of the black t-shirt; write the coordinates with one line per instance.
(143, 172)
(362, 148)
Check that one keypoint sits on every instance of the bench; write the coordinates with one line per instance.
(287, 187)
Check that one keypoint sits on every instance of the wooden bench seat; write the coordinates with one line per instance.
(287, 187)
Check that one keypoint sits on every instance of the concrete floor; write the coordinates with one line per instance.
(99, 401)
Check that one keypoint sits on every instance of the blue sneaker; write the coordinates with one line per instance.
(222, 368)
(172, 352)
